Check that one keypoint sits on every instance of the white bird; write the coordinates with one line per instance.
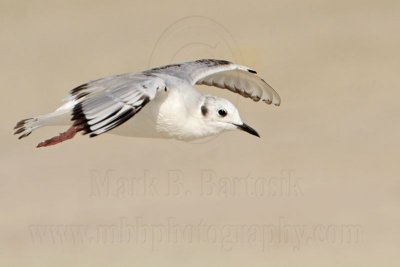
(169, 104)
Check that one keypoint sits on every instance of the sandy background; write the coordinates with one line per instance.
(321, 188)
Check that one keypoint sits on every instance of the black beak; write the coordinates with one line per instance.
(247, 128)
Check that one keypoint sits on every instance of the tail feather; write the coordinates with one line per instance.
(59, 117)
(26, 126)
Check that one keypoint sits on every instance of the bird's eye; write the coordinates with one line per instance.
(222, 112)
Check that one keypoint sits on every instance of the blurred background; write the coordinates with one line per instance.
(320, 188)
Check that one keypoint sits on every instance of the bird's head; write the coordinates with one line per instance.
(221, 115)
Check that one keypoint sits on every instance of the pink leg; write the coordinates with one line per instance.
(60, 138)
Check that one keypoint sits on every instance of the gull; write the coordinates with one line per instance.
(157, 103)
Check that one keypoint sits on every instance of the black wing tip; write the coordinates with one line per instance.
(79, 119)
(81, 87)
(252, 71)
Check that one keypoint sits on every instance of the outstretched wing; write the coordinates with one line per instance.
(225, 75)
(104, 104)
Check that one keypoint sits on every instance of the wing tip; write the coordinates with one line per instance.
(79, 119)
(78, 89)
(276, 101)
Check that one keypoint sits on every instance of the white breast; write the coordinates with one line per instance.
(168, 115)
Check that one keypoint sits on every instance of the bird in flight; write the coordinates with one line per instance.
(156, 103)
